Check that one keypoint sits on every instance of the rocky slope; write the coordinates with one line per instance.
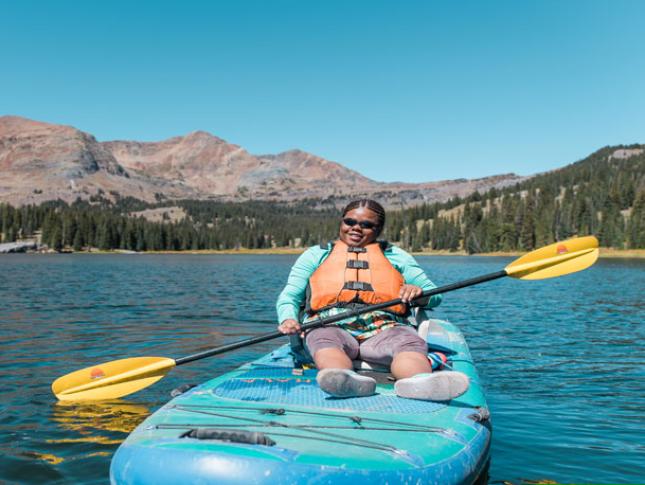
(41, 161)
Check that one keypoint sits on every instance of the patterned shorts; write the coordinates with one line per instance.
(379, 349)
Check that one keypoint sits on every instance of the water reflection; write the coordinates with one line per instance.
(95, 422)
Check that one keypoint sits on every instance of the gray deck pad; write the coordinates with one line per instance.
(278, 386)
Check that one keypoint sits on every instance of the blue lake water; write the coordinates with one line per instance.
(561, 360)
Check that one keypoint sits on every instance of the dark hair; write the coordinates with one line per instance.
(371, 205)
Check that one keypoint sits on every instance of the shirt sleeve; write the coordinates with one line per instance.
(292, 296)
(412, 273)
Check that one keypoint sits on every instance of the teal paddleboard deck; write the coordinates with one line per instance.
(268, 423)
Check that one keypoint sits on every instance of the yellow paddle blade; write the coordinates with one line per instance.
(112, 379)
(556, 259)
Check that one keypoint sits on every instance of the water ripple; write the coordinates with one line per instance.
(561, 360)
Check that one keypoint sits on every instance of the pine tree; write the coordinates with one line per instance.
(636, 225)
(472, 218)
(527, 225)
(611, 233)
(77, 241)
(55, 241)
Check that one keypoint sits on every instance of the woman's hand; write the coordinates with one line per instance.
(409, 293)
(289, 326)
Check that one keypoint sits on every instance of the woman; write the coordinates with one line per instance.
(355, 271)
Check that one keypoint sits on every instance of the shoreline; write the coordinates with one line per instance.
(605, 253)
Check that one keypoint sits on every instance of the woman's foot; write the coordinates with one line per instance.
(438, 386)
(345, 383)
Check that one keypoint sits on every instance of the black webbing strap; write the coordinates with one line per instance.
(357, 264)
(241, 436)
(357, 286)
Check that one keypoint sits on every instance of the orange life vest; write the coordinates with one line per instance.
(355, 275)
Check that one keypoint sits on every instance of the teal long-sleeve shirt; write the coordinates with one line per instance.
(293, 295)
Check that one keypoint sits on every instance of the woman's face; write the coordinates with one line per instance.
(351, 231)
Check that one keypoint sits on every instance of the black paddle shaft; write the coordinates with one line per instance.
(341, 316)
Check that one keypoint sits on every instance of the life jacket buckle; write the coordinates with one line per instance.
(357, 286)
(357, 264)
(356, 249)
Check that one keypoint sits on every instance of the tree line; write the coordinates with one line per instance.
(105, 225)
(599, 195)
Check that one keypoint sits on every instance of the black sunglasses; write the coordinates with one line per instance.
(348, 221)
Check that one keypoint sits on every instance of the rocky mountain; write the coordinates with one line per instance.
(304, 175)
(41, 161)
(199, 160)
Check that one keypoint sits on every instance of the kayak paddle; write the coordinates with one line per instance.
(119, 378)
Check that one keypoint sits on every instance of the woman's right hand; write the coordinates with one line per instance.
(289, 326)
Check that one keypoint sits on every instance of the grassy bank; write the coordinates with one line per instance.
(604, 252)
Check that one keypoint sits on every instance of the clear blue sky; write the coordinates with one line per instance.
(412, 90)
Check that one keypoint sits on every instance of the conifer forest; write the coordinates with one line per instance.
(600, 195)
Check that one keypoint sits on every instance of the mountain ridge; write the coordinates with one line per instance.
(602, 194)
(44, 161)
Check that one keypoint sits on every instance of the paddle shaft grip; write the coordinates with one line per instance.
(341, 316)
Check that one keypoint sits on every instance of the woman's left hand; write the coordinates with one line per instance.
(409, 293)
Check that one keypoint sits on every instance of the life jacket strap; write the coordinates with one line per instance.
(357, 286)
(358, 264)
(356, 249)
